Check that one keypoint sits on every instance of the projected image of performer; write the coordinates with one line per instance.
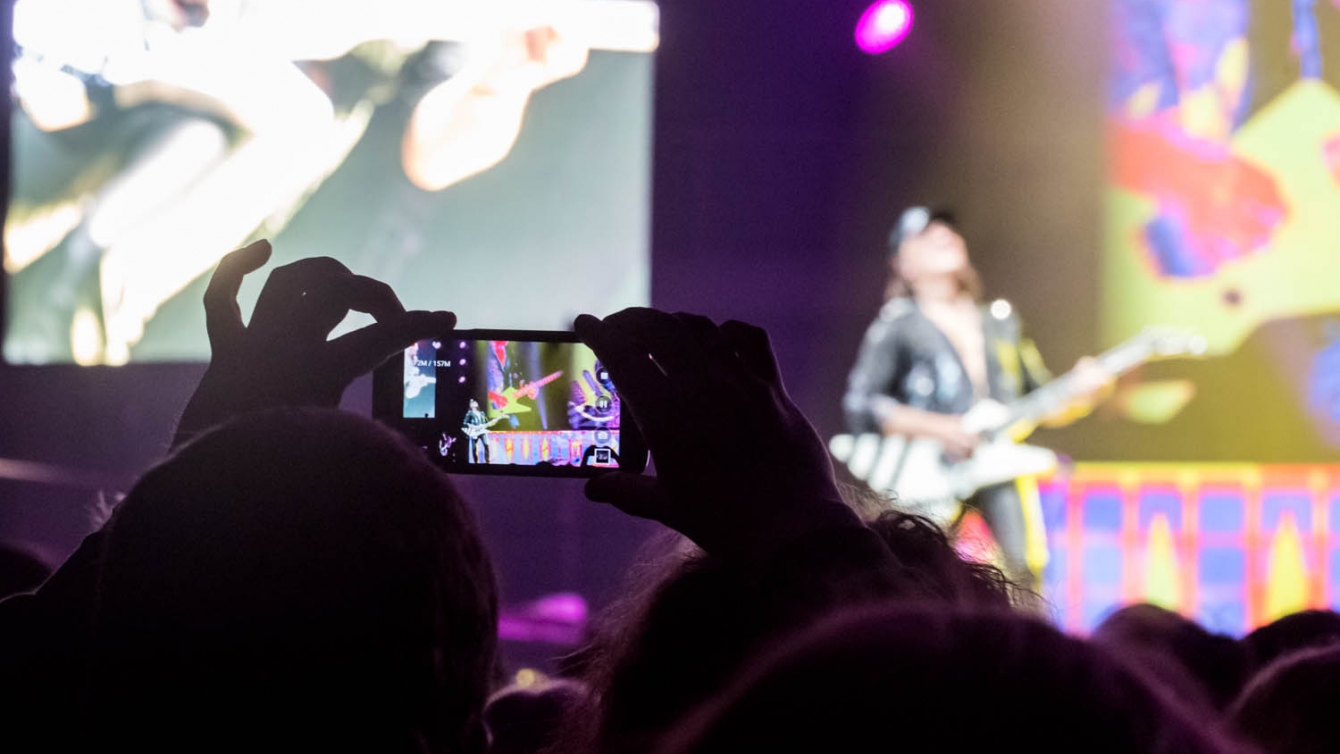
(476, 427)
(74, 101)
(178, 120)
(935, 350)
(141, 128)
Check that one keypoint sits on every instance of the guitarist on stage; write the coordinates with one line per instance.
(934, 351)
(476, 426)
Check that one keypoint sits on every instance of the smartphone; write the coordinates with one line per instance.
(520, 402)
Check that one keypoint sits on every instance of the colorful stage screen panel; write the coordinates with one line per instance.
(1223, 122)
(492, 158)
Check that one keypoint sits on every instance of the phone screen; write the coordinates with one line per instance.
(510, 403)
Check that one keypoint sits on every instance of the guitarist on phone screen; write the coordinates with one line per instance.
(933, 353)
(476, 426)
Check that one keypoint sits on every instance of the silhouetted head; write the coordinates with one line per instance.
(294, 578)
(690, 622)
(1177, 651)
(930, 557)
(678, 634)
(1303, 630)
(23, 568)
(527, 720)
(1289, 708)
(922, 680)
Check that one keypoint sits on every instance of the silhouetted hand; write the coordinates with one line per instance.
(282, 357)
(740, 470)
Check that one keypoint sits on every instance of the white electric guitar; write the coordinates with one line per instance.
(475, 431)
(919, 475)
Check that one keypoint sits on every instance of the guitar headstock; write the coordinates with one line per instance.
(1169, 342)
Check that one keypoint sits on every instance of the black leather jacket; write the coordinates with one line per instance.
(906, 359)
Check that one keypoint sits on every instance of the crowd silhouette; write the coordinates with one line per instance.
(292, 577)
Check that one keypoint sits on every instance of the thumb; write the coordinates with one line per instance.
(362, 350)
(634, 494)
(223, 317)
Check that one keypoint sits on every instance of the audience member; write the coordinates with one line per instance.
(777, 545)
(1287, 708)
(924, 679)
(1179, 652)
(528, 720)
(684, 629)
(281, 358)
(298, 578)
(1298, 631)
(23, 568)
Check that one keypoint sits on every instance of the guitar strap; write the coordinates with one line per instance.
(1035, 530)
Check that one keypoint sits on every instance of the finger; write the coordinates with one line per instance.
(634, 494)
(708, 337)
(223, 317)
(325, 305)
(354, 354)
(664, 337)
(754, 348)
(281, 312)
(364, 294)
(629, 364)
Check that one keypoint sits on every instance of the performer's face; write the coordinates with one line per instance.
(934, 252)
(474, 406)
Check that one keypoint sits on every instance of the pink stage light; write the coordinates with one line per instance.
(883, 26)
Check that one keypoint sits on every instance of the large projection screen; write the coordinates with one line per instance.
(484, 156)
(1223, 217)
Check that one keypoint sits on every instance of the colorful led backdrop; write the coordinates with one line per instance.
(1223, 215)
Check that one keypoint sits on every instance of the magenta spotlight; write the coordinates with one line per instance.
(883, 26)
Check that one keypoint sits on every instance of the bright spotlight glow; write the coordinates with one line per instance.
(883, 26)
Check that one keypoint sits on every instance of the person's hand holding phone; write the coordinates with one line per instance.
(740, 470)
(283, 356)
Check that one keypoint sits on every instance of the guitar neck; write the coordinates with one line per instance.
(1049, 399)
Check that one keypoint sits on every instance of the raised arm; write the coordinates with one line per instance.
(759, 479)
(283, 356)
